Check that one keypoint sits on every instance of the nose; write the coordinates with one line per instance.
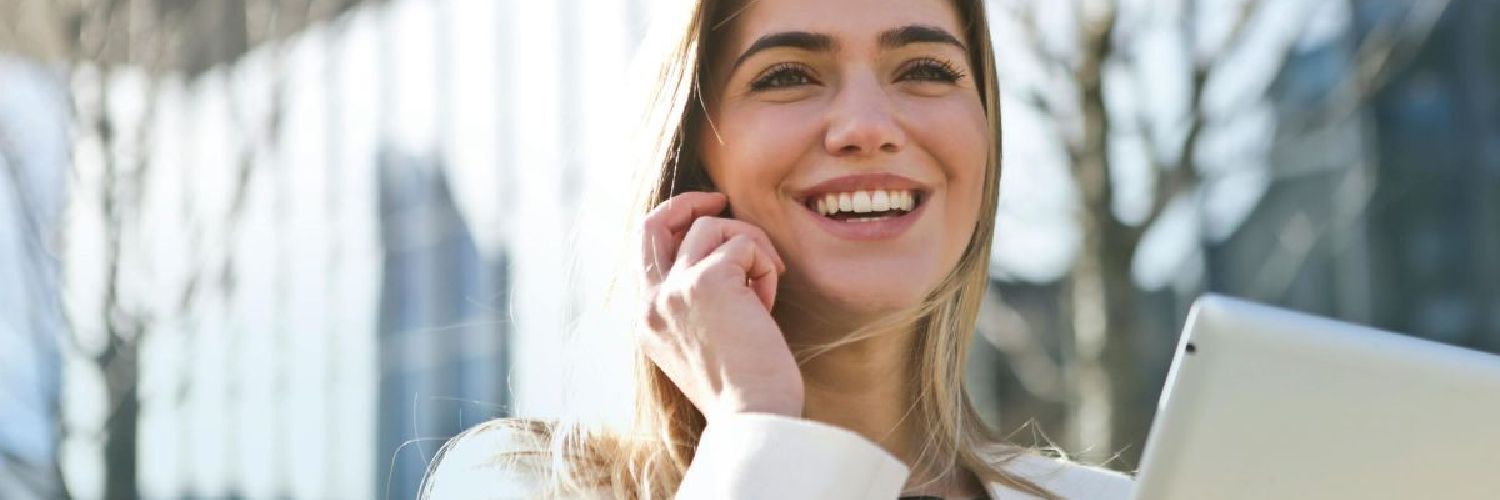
(862, 121)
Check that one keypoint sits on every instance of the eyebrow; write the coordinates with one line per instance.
(819, 42)
(815, 42)
(917, 33)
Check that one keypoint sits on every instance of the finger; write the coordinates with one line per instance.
(708, 233)
(765, 286)
(664, 226)
(744, 262)
(657, 247)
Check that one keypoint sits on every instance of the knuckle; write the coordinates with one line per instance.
(739, 245)
(656, 218)
(722, 270)
(675, 303)
(652, 219)
(706, 223)
(663, 205)
(698, 287)
(652, 318)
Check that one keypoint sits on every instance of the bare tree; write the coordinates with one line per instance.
(1100, 298)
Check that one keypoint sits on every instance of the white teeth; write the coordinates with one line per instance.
(880, 201)
(864, 202)
(861, 201)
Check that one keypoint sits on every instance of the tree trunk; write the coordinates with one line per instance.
(118, 362)
(120, 428)
(1099, 297)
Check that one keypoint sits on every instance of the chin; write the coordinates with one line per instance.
(873, 286)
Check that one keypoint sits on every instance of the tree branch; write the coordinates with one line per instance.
(1050, 63)
(1025, 16)
(1181, 173)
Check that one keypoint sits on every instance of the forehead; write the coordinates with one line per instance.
(848, 22)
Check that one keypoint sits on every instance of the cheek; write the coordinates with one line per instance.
(749, 153)
(955, 133)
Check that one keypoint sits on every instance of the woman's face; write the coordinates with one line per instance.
(852, 132)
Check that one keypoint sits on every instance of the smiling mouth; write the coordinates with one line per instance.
(865, 205)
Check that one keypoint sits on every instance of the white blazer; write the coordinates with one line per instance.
(755, 456)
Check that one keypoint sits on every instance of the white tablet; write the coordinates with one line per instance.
(1264, 403)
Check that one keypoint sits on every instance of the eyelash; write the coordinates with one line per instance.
(774, 77)
(945, 71)
(769, 79)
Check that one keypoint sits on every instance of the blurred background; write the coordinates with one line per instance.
(285, 248)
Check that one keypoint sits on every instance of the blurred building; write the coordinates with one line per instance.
(344, 237)
(442, 330)
(1435, 219)
(33, 159)
(1385, 215)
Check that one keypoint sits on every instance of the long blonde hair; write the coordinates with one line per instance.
(651, 457)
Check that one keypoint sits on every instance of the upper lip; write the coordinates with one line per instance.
(862, 182)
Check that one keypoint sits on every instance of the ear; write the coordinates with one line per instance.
(699, 178)
(705, 177)
(694, 175)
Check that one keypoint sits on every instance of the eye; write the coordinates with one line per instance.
(784, 75)
(928, 69)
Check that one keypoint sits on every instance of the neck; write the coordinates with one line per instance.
(865, 387)
(862, 386)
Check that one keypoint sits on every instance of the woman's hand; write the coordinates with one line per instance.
(710, 285)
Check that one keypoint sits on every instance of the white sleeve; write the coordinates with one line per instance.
(757, 456)
(1067, 479)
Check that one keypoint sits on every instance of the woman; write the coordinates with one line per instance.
(813, 255)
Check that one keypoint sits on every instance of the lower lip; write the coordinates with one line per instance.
(883, 229)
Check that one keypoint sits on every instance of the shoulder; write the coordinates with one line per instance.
(501, 458)
(1065, 478)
